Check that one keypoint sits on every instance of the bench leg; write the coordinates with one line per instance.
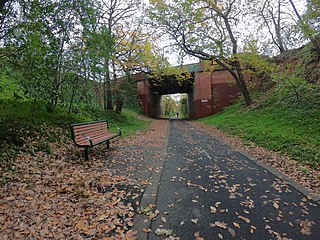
(86, 155)
(108, 144)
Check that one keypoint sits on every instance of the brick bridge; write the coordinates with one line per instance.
(209, 92)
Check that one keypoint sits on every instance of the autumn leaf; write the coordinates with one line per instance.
(197, 236)
(213, 209)
(236, 224)
(163, 232)
(247, 220)
(102, 217)
(82, 226)
(221, 224)
(252, 229)
(195, 220)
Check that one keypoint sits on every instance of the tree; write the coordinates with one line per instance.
(48, 45)
(272, 17)
(168, 106)
(2, 12)
(135, 51)
(310, 24)
(206, 32)
(114, 16)
(273, 24)
(184, 106)
(100, 49)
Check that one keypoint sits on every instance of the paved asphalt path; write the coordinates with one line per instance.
(208, 190)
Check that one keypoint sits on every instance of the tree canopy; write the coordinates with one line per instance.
(82, 52)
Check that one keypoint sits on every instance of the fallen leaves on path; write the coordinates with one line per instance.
(288, 167)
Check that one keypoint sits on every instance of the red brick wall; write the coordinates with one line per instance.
(202, 96)
(213, 92)
(144, 95)
(224, 90)
(222, 96)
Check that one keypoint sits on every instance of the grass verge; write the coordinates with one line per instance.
(287, 130)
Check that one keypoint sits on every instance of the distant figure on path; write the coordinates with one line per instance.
(177, 115)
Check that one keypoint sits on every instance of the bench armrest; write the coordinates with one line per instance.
(89, 139)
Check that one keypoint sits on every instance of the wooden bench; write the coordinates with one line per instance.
(89, 134)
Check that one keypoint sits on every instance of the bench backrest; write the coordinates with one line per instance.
(81, 131)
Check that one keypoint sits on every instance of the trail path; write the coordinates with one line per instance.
(201, 188)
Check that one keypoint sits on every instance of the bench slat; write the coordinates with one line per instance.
(84, 142)
(97, 132)
(92, 132)
(86, 126)
(90, 128)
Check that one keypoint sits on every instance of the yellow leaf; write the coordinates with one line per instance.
(237, 225)
(252, 229)
(213, 209)
(221, 224)
(244, 219)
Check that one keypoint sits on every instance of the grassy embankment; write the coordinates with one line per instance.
(283, 128)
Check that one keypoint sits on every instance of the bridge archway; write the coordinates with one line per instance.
(209, 92)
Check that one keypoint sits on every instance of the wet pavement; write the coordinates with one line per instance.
(200, 188)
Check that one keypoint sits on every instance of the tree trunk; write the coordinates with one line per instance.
(72, 95)
(107, 93)
(244, 89)
(119, 105)
(117, 93)
(54, 94)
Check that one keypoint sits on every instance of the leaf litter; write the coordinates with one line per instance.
(61, 196)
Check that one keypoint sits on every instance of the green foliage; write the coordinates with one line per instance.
(297, 92)
(184, 106)
(308, 64)
(310, 24)
(253, 62)
(7, 86)
(168, 106)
